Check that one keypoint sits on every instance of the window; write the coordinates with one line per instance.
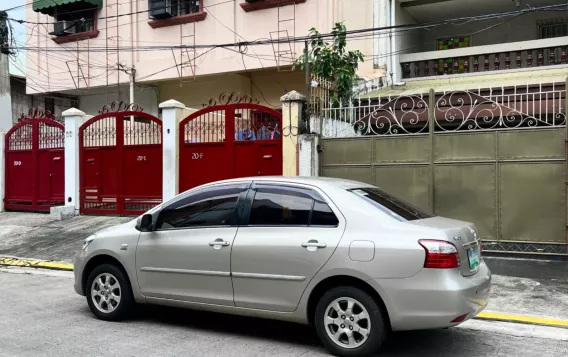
(322, 215)
(280, 206)
(391, 205)
(170, 8)
(50, 105)
(73, 22)
(184, 7)
(208, 208)
(553, 29)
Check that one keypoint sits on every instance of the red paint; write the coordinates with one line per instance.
(120, 169)
(229, 141)
(35, 165)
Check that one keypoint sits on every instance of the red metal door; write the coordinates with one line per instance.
(57, 175)
(29, 170)
(229, 141)
(121, 163)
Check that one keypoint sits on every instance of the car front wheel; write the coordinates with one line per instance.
(108, 293)
(349, 322)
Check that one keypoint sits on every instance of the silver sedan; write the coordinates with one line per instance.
(343, 256)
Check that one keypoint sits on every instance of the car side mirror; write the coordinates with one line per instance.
(144, 223)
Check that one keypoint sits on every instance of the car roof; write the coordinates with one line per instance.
(308, 180)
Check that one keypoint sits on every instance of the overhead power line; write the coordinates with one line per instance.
(373, 31)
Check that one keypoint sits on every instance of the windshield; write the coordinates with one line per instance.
(397, 208)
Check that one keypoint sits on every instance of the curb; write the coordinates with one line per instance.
(523, 319)
(30, 263)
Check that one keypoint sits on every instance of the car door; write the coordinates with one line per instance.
(289, 233)
(188, 254)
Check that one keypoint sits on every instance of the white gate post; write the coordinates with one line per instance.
(292, 104)
(171, 113)
(73, 120)
(2, 169)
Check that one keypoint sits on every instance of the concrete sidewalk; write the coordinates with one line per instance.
(529, 291)
(38, 236)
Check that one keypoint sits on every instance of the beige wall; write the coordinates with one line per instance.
(266, 85)
(86, 64)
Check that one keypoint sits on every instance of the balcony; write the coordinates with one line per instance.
(522, 55)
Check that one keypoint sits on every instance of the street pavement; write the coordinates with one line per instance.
(40, 315)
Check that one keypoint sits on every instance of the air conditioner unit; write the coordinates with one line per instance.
(63, 28)
(160, 9)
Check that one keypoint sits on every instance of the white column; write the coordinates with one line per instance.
(73, 120)
(309, 160)
(171, 110)
(2, 168)
(292, 104)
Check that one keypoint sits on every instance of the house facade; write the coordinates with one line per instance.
(148, 51)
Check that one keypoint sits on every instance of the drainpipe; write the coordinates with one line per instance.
(376, 39)
(393, 70)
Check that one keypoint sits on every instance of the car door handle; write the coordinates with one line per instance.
(219, 242)
(313, 244)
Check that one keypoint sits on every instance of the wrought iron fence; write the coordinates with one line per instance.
(489, 108)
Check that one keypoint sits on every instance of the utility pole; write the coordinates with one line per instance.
(5, 91)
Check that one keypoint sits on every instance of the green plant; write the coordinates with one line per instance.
(333, 62)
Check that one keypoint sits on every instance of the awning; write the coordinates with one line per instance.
(47, 6)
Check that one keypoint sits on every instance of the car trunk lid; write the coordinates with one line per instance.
(461, 234)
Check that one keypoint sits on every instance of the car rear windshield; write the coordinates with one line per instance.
(391, 205)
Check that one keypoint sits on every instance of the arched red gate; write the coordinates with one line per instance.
(35, 168)
(120, 163)
(229, 141)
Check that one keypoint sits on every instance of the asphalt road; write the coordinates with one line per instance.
(42, 316)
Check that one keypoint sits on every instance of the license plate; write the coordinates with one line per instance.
(473, 257)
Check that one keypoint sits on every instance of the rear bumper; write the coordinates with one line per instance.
(433, 297)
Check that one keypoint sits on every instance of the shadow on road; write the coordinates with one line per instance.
(411, 343)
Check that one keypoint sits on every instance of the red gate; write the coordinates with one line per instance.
(120, 162)
(229, 141)
(35, 169)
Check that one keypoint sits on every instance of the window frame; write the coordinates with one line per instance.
(79, 36)
(316, 194)
(191, 193)
(550, 23)
(178, 19)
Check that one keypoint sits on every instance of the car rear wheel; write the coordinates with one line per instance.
(349, 322)
(108, 293)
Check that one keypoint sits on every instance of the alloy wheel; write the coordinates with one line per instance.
(347, 322)
(106, 292)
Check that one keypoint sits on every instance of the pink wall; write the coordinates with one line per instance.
(68, 69)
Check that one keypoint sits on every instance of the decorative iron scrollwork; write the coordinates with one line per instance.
(231, 98)
(120, 106)
(37, 113)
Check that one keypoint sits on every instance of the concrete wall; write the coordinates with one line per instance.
(267, 86)
(405, 41)
(226, 22)
(22, 102)
(522, 28)
(146, 97)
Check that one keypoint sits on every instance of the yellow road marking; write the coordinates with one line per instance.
(35, 263)
(521, 318)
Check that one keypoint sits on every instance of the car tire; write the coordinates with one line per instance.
(108, 293)
(346, 333)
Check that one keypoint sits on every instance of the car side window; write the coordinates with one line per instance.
(323, 216)
(288, 206)
(212, 207)
(275, 206)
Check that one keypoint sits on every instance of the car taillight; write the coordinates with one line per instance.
(440, 254)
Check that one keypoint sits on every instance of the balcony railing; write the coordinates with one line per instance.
(505, 56)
